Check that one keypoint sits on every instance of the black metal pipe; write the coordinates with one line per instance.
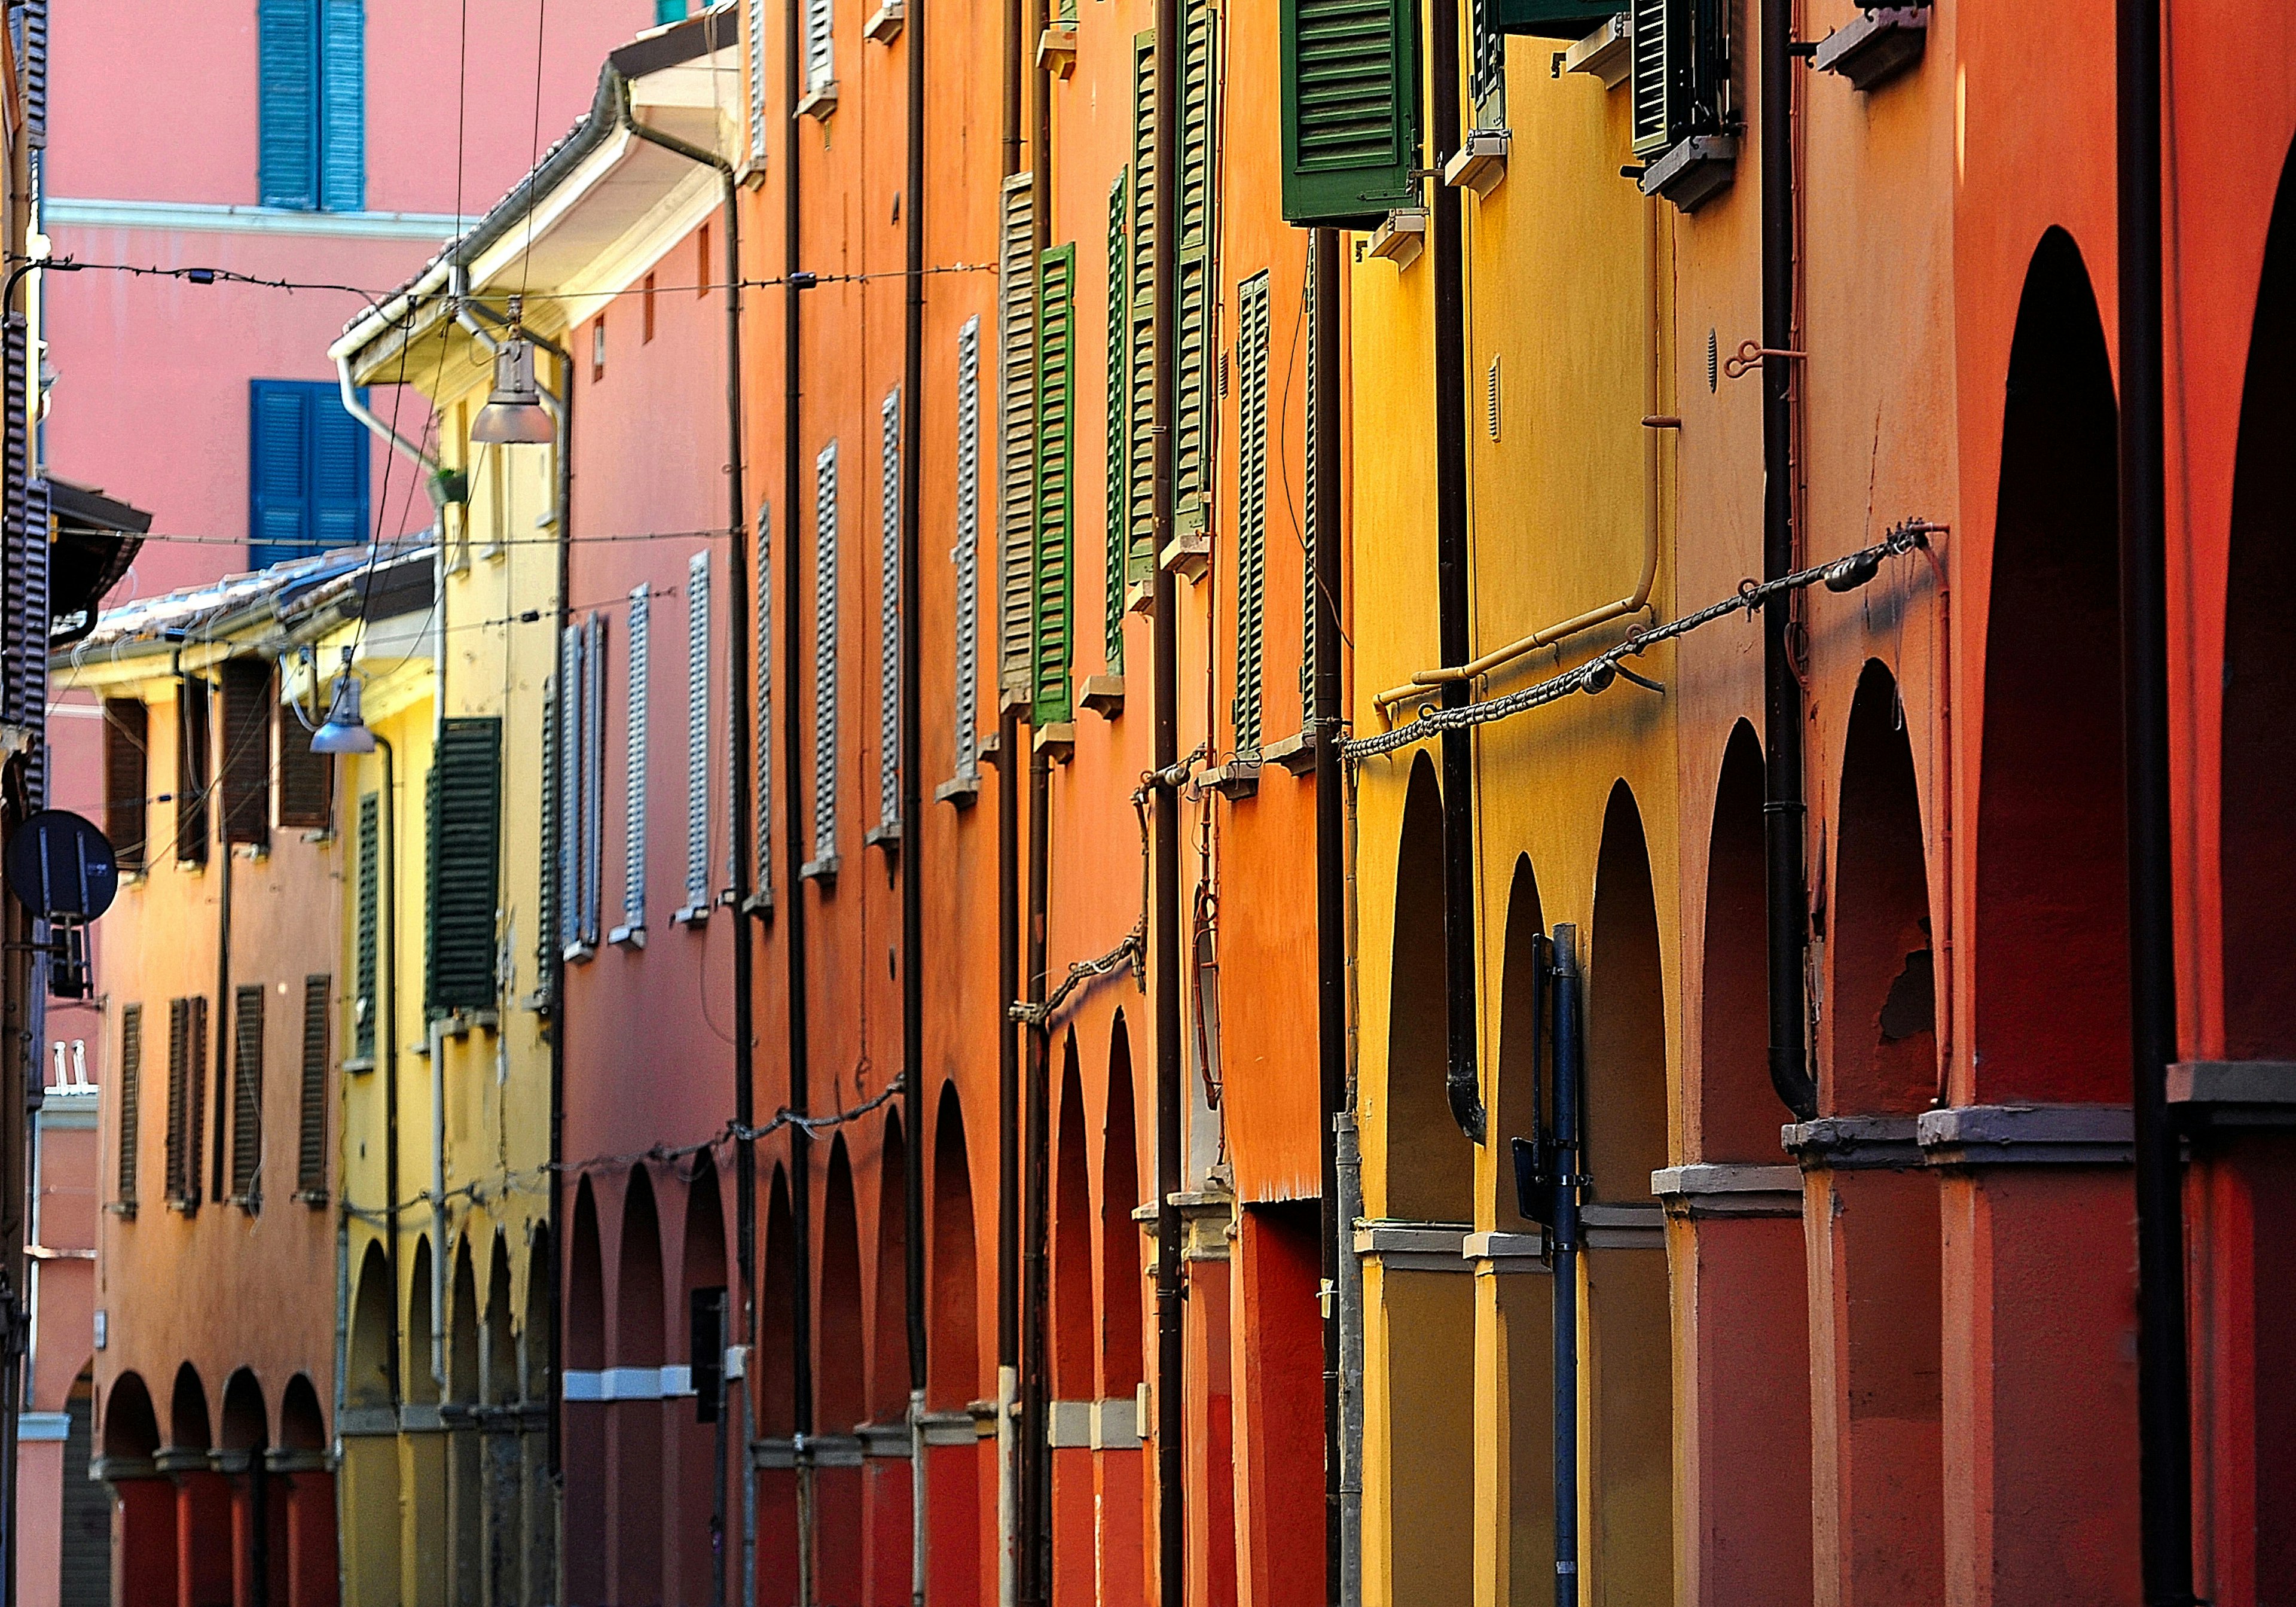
(794, 912)
(1330, 840)
(1569, 1072)
(388, 894)
(551, 960)
(220, 1079)
(1008, 970)
(1786, 900)
(1455, 621)
(2163, 1405)
(912, 735)
(1164, 968)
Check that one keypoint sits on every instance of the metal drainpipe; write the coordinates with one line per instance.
(1035, 1458)
(1454, 604)
(738, 756)
(222, 1073)
(2163, 1406)
(1008, 991)
(1331, 847)
(1569, 1084)
(794, 923)
(1171, 1292)
(1786, 902)
(912, 800)
(388, 894)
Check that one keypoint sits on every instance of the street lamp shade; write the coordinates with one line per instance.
(346, 730)
(515, 415)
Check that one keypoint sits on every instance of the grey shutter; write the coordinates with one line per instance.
(824, 861)
(548, 942)
(1310, 531)
(1016, 437)
(968, 549)
(568, 829)
(593, 774)
(311, 1131)
(1112, 570)
(131, 1097)
(764, 669)
(888, 621)
(464, 856)
(637, 674)
(820, 60)
(697, 737)
(367, 1006)
(1140, 429)
(1251, 351)
(247, 1095)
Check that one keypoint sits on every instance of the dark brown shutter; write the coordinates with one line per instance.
(127, 780)
(306, 780)
(192, 770)
(196, 1104)
(182, 1104)
(245, 773)
(311, 1145)
(247, 1095)
(131, 1095)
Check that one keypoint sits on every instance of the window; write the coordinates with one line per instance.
(187, 1081)
(820, 60)
(244, 777)
(1016, 438)
(131, 1099)
(1112, 572)
(968, 552)
(307, 463)
(312, 61)
(1680, 71)
(1251, 351)
(192, 743)
(697, 739)
(701, 261)
(463, 840)
(889, 619)
(598, 349)
(581, 778)
(127, 780)
(753, 40)
(636, 677)
(668, 11)
(247, 1096)
(367, 1006)
(824, 859)
(1053, 532)
(1351, 109)
(646, 301)
(311, 1130)
(306, 780)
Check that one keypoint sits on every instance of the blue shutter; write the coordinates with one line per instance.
(278, 472)
(287, 59)
(339, 448)
(342, 105)
(668, 11)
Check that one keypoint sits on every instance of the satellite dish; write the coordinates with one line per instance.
(62, 867)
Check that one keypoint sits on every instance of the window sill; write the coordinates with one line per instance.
(823, 869)
(1400, 237)
(1104, 696)
(960, 791)
(1480, 164)
(691, 915)
(1296, 754)
(884, 23)
(577, 954)
(1878, 46)
(1606, 53)
(819, 103)
(885, 834)
(627, 937)
(357, 1064)
(1694, 172)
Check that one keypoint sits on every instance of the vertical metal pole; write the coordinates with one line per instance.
(1331, 847)
(1569, 1072)
(2163, 1404)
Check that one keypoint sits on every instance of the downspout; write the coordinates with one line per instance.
(2163, 1405)
(1331, 863)
(739, 562)
(1454, 606)
(794, 929)
(912, 800)
(1786, 901)
(1569, 1084)
(389, 894)
(221, 1079)
(1008, 991)
(1171, 1292)
(1035, 1459)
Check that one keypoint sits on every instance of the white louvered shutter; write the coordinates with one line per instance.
(636, 676)
(968, 549)
(820, 60)
(824, 662)
(1311, 530)
(1252, 347)
(593, 776)
(763, 755)
(755, 50)
(1016, 438)
(697, 737)
(889, 622)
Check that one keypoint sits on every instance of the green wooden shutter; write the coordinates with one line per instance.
(247, 1093)
(464, 839)
(1051, 636)
(1251, 344)
(1192, 402)
(1112, 576)
(1140, 427)
(131, 1097)
(1351, 109)
(366, 1006)
(311, 1129)
(1552, 18)
(1016, 435)
(1311, 531)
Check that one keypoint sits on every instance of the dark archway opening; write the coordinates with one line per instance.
(1739, 1113)
(701, 1266)
(583, 1457)
(1430, 1173)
